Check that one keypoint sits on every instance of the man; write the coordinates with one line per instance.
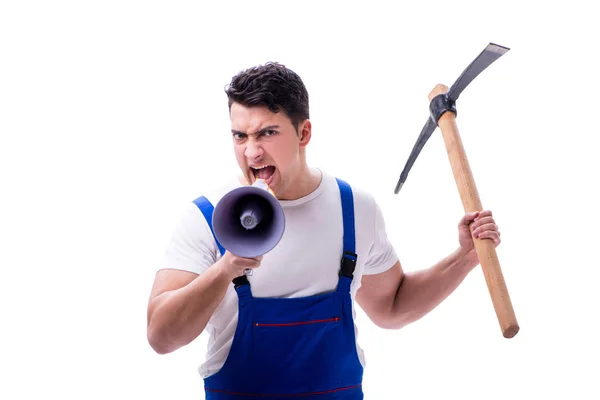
(287, 329)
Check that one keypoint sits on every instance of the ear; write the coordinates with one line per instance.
(304, 132)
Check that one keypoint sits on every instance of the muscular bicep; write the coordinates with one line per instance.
(167, 280)
(170, 279)
(377, 293)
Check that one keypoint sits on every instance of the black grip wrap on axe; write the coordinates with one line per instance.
(439, 105)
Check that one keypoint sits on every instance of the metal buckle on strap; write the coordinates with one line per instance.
(348, 264)
(240, 281)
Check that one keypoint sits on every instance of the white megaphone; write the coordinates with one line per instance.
(249, 221)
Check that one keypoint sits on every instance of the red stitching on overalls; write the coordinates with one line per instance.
(316, 321)
(285, 395)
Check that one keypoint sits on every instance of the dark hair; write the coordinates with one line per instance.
(271, 85)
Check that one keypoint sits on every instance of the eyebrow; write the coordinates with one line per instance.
(266, 128)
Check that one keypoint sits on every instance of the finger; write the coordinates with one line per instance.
(249, 262)
(255, 261)
(485, 213)
(468, 218)
(495, 236)
(485, 228)
(479, 221)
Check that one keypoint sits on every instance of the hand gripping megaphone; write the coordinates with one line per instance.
(249, 221)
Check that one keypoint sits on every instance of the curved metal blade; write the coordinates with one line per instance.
(426, 132)
(490, 54)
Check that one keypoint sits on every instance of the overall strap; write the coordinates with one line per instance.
(207, 209)
(349, 256)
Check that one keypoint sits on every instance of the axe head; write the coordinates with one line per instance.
(442, 99)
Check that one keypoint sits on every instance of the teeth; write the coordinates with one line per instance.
(260, 166)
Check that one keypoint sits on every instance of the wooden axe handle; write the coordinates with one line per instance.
(469, 195)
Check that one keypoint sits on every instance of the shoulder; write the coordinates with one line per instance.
(215, 194)
(363, 200)
(367, 212)
(378, 253)
(192, 246)
(193, 221)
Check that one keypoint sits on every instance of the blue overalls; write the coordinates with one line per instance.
(293, 347)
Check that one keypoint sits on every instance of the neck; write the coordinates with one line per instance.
(307, 181)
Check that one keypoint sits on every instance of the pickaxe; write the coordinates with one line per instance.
(442, 109)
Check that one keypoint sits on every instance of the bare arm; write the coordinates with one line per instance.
(394, 299)
(181, 302)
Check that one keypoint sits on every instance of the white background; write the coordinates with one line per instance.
(113, 117)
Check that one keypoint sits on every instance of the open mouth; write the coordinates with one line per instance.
(264, 172)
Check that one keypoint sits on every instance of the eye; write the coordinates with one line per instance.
(239, 136)
(269, 132)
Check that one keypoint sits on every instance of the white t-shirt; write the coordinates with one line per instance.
(305, 262)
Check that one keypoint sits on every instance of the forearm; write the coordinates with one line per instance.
(178, 316)
(421, 291)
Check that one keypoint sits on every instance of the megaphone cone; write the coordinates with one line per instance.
(249, 221)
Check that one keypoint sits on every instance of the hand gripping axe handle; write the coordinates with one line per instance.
(443, 114)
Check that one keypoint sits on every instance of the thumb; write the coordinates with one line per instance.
(469, 217)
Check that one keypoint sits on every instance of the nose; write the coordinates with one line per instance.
(253, 150)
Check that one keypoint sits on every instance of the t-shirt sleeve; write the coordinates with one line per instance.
(382, 254)
(192, 246)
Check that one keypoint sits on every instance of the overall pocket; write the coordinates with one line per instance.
(304, 356)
